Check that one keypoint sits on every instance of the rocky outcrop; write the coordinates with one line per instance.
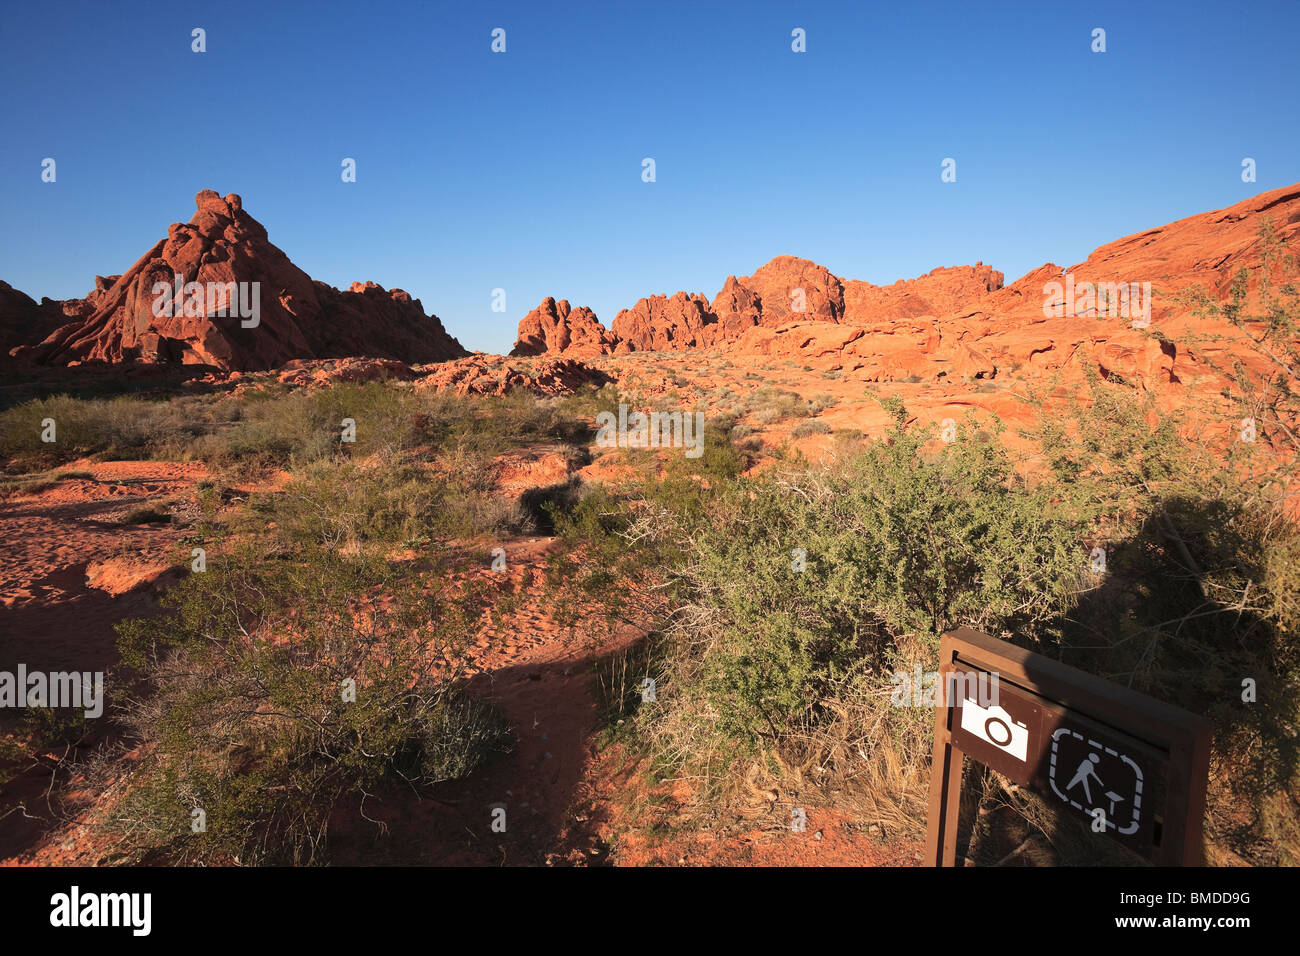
(790, 289)
(368, 320)
(1055, 319)
(323, 372)
(941, 291)
(239, 304)
(497, 375)
(24, 320)
(555, 328)
(661, 323)
(737, 308)
(1119, 311)
(786, 289)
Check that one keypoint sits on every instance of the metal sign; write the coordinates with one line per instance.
(1130, 766)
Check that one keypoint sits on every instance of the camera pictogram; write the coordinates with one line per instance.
(995, 725)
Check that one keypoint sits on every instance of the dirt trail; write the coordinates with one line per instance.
(51, 619)
(539, 678)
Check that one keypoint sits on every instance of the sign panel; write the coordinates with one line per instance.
(1005, 735)
(1109, 778)
(1129, 766)
(1105, 785)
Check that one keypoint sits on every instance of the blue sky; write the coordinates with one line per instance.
(522, 170)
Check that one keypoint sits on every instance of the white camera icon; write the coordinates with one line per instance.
(995, 725)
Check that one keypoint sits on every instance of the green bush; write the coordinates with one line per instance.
(901, 546)
(307, 426)
(120, 428)
(813, 427)
(246, 714)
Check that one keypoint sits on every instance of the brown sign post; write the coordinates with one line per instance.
(1120, 760)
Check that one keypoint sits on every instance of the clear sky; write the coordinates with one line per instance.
(523, 170)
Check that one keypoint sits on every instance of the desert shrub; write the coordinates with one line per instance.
(612, 548)
(247, 708)
(421, 466)
(687, 482)
(766, 670)
(621, 681)
(487, 426)
(145, 514)
(120, 428)
(307, 426)
(813, 427)
(284, 428)
(541, 505)
(1263, 305)
(771, 405)
(274, 425)
(209, 497)
(467, 513)
(762, 665)
(56, 727)
(346, 504)
(900, 547)
(266, 426)
(27, 485)
(589, 401)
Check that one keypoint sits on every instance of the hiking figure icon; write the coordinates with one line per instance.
(1087, 768)
(1110, 778)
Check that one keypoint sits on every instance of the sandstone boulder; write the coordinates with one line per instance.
(497, 375)
(555, 328)
(660, 323)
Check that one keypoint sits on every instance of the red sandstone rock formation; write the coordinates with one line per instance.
(554, 328)
(251, 308)
(23, 320)
(942, 291)
(661, 322)
(737, 309)
(962, 323)
(320, 372)
(786, 289)
(496, 375)
(786, 283)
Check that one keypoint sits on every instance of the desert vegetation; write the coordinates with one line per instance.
(308, 664)
(788, 599)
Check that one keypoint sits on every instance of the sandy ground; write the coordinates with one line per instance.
(54, 543)
(53, 619)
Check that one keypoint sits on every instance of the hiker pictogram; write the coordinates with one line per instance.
(1103, 777)
(1087, 768)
